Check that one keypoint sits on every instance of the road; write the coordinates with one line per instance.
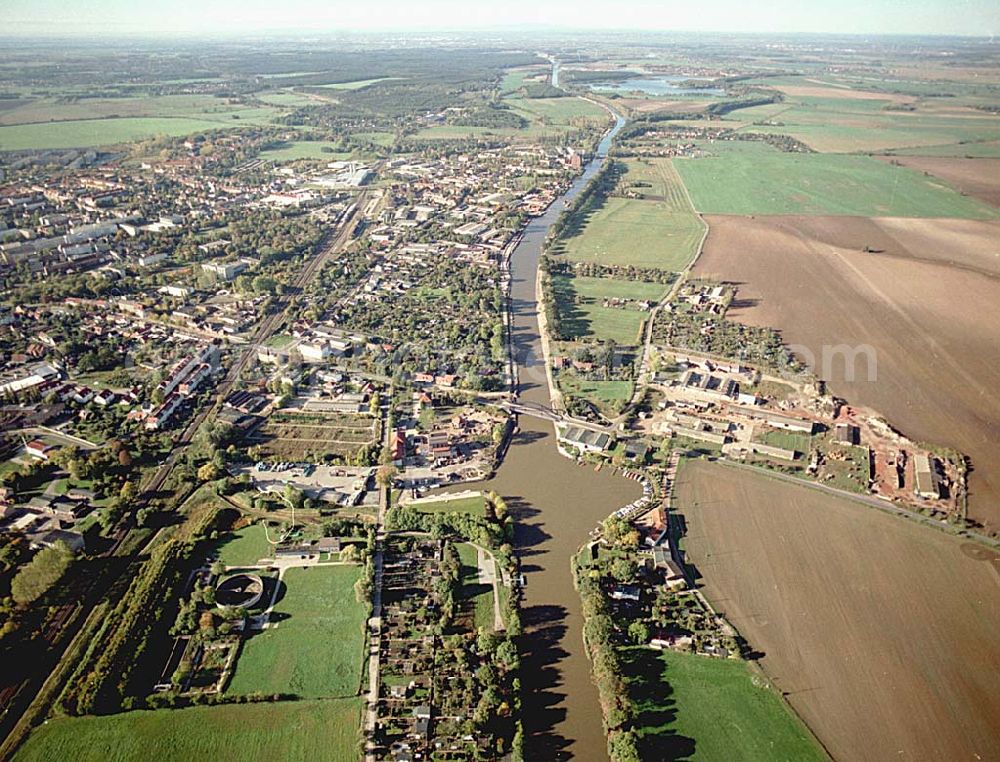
(375, 622)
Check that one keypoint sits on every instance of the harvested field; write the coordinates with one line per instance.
(979, 178)
(881, 633)
(920, 304)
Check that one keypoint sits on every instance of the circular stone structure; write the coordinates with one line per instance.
(242, 590)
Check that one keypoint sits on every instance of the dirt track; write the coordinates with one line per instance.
(884, 634)
(927, 303)
(979, 178)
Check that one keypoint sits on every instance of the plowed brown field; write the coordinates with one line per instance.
(927, 303)
(885, 635)
(979, 178)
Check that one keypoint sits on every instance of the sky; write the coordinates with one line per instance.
(234, 17)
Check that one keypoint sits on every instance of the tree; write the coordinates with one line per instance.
(41, 573)
(208, 472)
(623, 569)
(124, 458)
(349, 553)
(128, 493)
(639, 633)
(385, 475)
(294, 497)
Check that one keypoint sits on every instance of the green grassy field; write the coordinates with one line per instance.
(378, 138)
(753, 178)
(582, 314)
(480, 597)
(316, 650)
(698, 708)
(288, 730)
(985, 150)
(96, 132)
(285, 98)
(515, 79)
(562, 111)
(245, 547)
(304, 149)
(43, 110)
(662, 180)
(844, 125)
(635, 232)
(474, 504)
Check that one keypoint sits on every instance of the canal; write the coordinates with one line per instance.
(556, 503)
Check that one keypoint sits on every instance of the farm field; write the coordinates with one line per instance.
(842, 125)
(582, 314)
(635, 232)
(562, 111)
(878, 639)
(657, 178)
(316, 649)
(988, 149)
(356, 84)
(979, 178)
(44, 110)
(89, 133)
(693, 707)
(756, 179)
(919, 305)
(290, 730)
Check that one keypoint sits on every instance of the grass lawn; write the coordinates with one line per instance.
(287, 730)
(317, 648)
(304, 149)
(788, 440)
(634, 232)
(754, 178)
(474, 504)
(604, 394)
(245, 547)
(582, 313)
(480, 597)
(694, 707)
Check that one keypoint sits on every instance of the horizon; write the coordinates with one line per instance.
(59, 19)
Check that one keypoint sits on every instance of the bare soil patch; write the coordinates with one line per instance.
(881, 633)
(979, 178)
(926, 303)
